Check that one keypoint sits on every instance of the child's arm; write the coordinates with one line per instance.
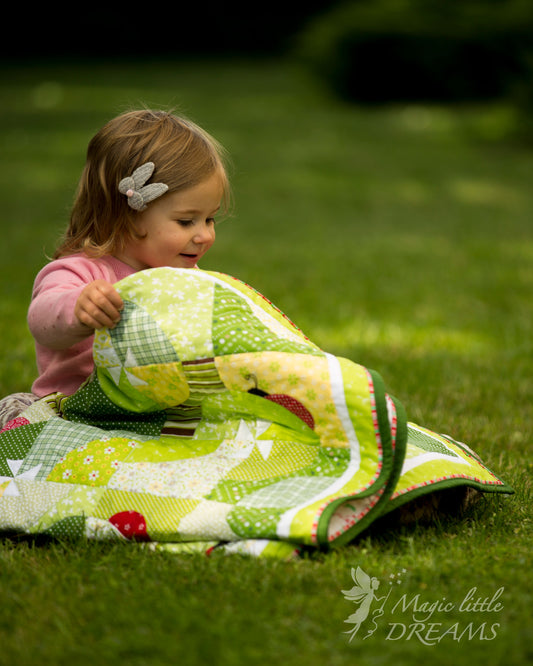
(68, 303)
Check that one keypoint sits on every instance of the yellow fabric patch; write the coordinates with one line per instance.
(165, 384)
(308, 382)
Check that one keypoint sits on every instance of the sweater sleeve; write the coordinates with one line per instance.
(56, 289)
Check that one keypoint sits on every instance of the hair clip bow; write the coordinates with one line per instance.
(135, 189)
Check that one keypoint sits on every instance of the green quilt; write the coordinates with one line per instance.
(211, 421)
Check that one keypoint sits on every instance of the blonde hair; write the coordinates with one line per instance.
(101, 221)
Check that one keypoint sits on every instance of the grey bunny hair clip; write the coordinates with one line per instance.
(135, 189)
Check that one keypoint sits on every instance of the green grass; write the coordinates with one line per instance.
(399, 237)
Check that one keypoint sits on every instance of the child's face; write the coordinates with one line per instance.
(178, 229)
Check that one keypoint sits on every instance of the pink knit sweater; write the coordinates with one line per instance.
(63, 348)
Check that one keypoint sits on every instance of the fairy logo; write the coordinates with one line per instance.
(413, 617)
(363, 594)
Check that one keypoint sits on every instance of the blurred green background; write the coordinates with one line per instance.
(386, 50)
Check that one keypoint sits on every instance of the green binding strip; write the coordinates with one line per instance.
(381, 505)
(389, 474)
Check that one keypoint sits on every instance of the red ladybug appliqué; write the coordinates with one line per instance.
(131, 524)
(294, 406)
(287, 401)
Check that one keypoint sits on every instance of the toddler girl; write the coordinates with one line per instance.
(147, 197)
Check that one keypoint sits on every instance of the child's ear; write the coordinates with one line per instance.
(140, 226)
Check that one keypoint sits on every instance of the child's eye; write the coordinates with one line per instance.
(189, 223)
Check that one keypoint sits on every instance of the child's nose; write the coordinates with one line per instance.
(204, 233)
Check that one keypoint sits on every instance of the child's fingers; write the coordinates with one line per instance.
(108, 300)
(97, 315)
(114, 297)
(99, 305)
(96, 320)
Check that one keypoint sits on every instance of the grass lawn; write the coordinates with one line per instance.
(401, 238)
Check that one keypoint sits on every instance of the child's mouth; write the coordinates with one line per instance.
(189, 260)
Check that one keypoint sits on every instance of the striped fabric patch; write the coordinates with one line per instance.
(203, 379)
(161, 514)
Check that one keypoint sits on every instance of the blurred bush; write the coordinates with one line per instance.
(424, 50)
(172, 30)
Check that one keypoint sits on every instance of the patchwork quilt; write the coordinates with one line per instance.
(212, 421)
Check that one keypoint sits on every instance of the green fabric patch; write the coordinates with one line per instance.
(424, 440)
(259, 523)
(152, 347)
(70, 528)
(237, 330)
(90, 404)
(287, 492)
(75, 501)
(55, 440)
(180, 301)
(16, 443)
(233, 491)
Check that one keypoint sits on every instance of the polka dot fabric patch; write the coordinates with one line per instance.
(236, 329)
(70, 528)
(16, 443)
(92, 406)
(256, 523)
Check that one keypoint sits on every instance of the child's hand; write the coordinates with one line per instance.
(99, 305)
